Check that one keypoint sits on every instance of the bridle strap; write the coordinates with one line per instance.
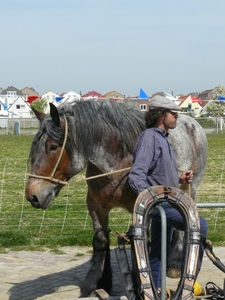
(51, 178)
(48, 178)
(62, 149)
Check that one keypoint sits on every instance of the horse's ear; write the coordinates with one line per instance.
(54, 114)
(40, 115)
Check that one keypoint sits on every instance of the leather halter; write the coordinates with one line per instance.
(51, 178)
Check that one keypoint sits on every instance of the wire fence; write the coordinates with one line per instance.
(69, 210)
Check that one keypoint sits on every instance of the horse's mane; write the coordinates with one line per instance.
(88, 121)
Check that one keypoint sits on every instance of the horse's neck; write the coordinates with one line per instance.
(101, 164)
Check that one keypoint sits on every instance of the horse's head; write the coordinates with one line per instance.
(49, 158)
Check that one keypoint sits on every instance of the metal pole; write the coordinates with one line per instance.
(211, 205)
(200, 205)
(7, 126)
(163, 250)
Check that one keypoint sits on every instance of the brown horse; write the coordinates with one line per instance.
(101, 136)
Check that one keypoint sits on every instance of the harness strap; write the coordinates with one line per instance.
(62, 149)
(209, 252)
(124, 268)
(215, 291)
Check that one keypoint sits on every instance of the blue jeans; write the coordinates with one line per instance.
(174, 220)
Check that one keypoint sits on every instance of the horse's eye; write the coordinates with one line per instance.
(53, 147)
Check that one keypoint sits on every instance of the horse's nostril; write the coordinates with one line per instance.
(34, 201)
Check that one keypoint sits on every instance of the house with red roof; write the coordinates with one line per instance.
(190, 104)
(93, 95)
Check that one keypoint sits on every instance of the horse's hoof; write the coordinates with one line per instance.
(173, 273)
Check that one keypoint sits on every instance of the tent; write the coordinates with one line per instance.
(142, 95)
(58, 99)
(221, 98)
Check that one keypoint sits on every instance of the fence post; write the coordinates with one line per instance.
(17, 127)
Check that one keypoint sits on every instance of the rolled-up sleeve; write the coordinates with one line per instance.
(143, 158)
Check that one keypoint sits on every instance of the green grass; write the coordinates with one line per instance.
(67, 222)
(212, 188)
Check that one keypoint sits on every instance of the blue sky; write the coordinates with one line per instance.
(105, 45)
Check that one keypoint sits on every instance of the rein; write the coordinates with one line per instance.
(51, 178)
(104, 174)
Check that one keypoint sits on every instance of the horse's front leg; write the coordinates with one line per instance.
(176, 255)
(99, 274)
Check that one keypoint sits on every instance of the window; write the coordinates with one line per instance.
(17, 106)
(11, 94)
(143, 107)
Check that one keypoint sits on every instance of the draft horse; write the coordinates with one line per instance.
(101, 136)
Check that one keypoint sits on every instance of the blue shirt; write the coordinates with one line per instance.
(154, 161)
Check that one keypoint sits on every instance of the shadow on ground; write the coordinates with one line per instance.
(65, 284)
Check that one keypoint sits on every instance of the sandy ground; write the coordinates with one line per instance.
(45, 275)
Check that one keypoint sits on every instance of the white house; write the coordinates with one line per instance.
(49, 96)
(7, 98)
(19, 109)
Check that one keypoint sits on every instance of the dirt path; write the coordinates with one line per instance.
(45, 275)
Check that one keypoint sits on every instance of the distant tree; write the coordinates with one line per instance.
(218, 91)
(158, 94)
(215, 109)
(39, 104)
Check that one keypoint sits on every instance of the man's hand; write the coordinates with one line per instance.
(186, 177)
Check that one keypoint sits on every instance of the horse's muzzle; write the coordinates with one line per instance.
(42, 201)
(41, 193)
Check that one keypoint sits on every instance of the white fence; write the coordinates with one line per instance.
(26, 125)
(31, 125)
